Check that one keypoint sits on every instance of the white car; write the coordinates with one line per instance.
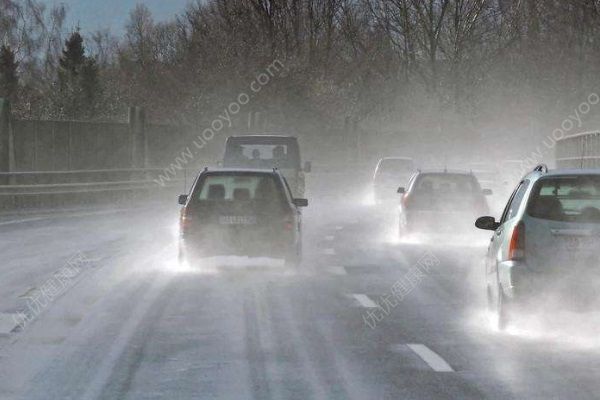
(544, 250)
(390, 173)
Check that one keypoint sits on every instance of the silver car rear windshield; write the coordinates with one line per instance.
(566, 198)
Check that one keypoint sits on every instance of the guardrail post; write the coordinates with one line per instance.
(6, 148)
(137, 132)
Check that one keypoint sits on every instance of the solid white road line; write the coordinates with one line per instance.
(330, 252)
(436, 362)
(339, 228)
(329, 237)
(365, 301)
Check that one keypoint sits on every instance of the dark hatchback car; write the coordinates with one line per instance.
(441, 201)
(241, 212)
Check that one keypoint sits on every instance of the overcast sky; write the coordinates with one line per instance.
(100, 14)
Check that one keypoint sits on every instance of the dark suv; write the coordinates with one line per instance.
(241, 212)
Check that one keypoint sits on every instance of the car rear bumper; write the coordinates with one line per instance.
(543, 290)
(253, 243)
(438, 221)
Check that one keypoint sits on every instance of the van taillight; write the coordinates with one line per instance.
(516, 247)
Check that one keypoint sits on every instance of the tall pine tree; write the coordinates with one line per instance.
(9, 79)
(78, 82)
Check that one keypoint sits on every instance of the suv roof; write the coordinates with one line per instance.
(232, 169)
(261, 136)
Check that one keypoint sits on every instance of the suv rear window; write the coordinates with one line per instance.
(238, 188)
(566, 198)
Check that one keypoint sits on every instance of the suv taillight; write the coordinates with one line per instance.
(516, 247)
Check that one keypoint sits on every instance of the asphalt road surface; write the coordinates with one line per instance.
(106, 312)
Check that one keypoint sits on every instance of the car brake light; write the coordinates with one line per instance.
(404, 200)
(288, 223)
(184, 219)
(516, 247)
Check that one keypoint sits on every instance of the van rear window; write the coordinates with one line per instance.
(259, 152)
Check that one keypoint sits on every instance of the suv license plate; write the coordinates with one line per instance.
(237, 220)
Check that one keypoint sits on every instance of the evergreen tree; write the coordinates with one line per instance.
(9, 80)
(78, 81)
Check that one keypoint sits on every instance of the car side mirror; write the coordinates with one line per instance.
(401, 190)
(300, 202)
(487, 223)
(487, 192)
(307, 166)
(182, 199)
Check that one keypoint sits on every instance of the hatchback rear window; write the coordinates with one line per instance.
(447, 184)
(394, 166)
(566, 198)
(238, 188)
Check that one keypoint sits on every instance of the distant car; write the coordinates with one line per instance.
(241, 212)
(439, 201)
(268, 151)
(390, 173)
(544, 250)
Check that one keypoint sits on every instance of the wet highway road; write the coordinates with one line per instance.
(364, 317)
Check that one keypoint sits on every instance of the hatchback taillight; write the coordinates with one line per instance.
(404, 200)
(516, 247)
(184, 219)
(288, 222)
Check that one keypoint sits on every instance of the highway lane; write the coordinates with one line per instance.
(365, 317)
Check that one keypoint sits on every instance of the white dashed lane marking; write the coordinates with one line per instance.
(339, 228)
(364, 301)
(330, 252)
(330, 237)
(436, 362)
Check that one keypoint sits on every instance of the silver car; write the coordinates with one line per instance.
(544, 250)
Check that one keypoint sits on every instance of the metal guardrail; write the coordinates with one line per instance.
(84, 187)
(40, 189)
(580, 150)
